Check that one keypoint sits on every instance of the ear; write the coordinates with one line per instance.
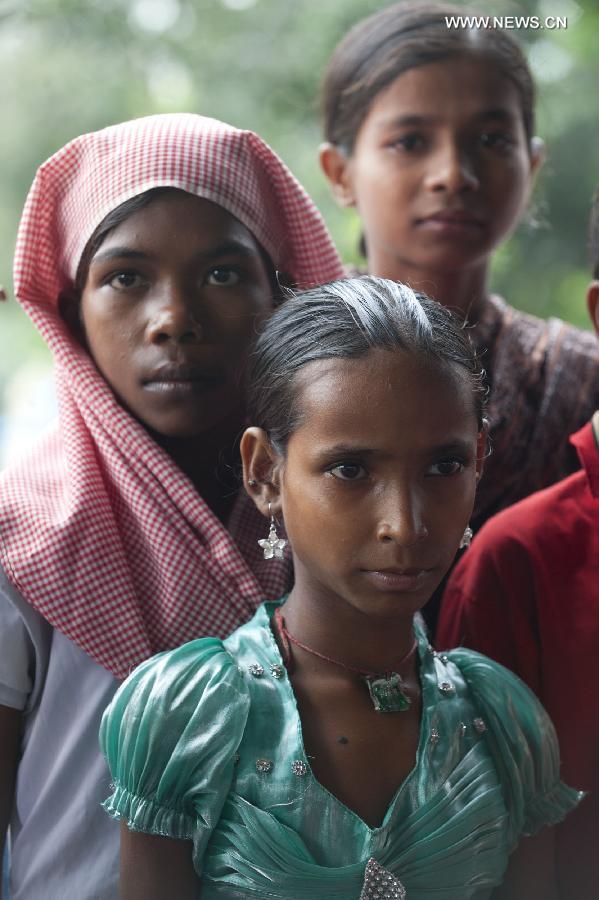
(69, 307)
(335, 165)
(593, 303)
(261, 470)
(482, 449)
(538, 155)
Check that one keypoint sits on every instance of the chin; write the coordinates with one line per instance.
(455, 258)
(194, 420)
(392, 607)
(188, 430)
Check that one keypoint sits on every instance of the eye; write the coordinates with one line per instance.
(348, 471)
(223, 276)
(447, 467)
(124, 281)
(496, 140)
(408, 143)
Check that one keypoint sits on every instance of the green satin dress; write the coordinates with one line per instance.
(205, 743)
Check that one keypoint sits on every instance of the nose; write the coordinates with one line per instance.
(175, 317)
(452, 170)
(401, 519)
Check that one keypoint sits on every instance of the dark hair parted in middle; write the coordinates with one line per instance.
(404, 36)
(346, 319)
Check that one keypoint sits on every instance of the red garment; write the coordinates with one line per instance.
(99, 529)
(526, 593)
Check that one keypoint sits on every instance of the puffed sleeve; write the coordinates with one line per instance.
(522, 742)
(170, 736)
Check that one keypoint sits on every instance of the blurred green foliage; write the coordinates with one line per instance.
(71, 66)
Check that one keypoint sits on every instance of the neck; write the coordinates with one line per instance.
(462, 290)
(211, 461)
(332, 627)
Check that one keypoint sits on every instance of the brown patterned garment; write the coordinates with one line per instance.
(544, 381)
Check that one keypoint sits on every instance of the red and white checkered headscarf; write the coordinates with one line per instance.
(99, 529)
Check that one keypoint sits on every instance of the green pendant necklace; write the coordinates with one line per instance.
(387, 689)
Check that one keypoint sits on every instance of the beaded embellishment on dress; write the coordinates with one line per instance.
(380, 884)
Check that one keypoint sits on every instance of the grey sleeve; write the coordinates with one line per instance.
(24, 645)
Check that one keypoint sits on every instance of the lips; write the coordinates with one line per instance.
(397, 579)
(451, 218)
(175, 378)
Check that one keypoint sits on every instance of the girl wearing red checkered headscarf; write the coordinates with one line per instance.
(146, 256)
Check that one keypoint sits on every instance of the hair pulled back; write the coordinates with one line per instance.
(343, 320)
(401, 37)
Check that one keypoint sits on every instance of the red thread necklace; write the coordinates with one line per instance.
(387, 689)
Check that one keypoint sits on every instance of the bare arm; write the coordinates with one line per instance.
(156, 868)
(531, 872)
(10, 739)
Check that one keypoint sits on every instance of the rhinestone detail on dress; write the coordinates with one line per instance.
(264, 766)
(463, 729)
(380, 884)
(447, 687)
(299, 767)
(480, 725)
(256, 670)
(276, 670)
(435, 737)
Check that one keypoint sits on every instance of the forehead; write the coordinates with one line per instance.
(465, 87)
(385, 398)
(175, 217)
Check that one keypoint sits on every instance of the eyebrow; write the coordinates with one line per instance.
(227, 248)
(347, 450)
(118, 252)
(452, 446)
(499, 115)
(413, 120)
(408, 121)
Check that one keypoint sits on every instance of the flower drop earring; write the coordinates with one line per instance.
(273, 545)
(466, 538)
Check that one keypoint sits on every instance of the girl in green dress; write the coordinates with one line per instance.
(324, 750)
